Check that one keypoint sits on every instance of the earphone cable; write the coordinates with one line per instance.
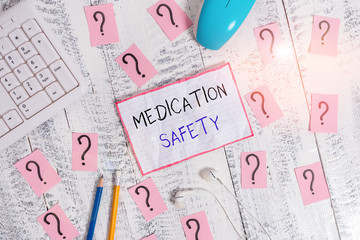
(223, 208)
(238, 200)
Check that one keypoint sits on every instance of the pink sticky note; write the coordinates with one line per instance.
(253, 170)
(324, 113)
(324, 37)
(57, 225)
(136, 65)
(151, 237)
(84, 151)
(196, 227)
(148, 199)
(170, 17)
(269, 39)
(102, 24)
(312, 183)
(263, 105)
(38, 172)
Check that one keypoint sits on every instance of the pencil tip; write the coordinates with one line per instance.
(101, 182)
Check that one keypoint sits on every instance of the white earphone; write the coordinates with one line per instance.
(179, 198)
(210, 174)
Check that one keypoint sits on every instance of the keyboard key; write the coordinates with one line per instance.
(27, 50)
(32, 86)
(4, 68)
(23, 72)
(35, 104)
(46, 50)
(14, 18)
(3, 128)
(63, 75)
(10, 82)
(18, 37)
(14, 59)
(55, 91)
(36, 64)
(45, 77)
(6, 46)
(12, 119)
(19, 95)
(31, 28)
(6, 24)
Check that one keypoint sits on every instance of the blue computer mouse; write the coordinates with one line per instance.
(218, 21)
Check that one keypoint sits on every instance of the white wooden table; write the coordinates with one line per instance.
(288, 142)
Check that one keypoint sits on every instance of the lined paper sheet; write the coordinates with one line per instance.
(184, 119)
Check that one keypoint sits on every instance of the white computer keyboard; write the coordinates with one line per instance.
(37, 78)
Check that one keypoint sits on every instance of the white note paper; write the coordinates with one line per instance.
(184, 119)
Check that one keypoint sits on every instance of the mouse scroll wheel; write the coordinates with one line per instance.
(227, 3)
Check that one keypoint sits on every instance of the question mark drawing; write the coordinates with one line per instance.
(102, 21)
(135, 60)
(147, 195)
(88, 147)
(257, 165)
(38, 169)
(57, 222)
(327, 109)
(169, 9)
(327, 30)
(197, 225)
(262, 102)
(272, 39)
(312, 179)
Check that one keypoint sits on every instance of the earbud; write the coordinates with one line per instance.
(208, 174)
(179, 199)
(179, 203)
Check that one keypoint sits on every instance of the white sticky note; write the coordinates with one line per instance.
(184, 119)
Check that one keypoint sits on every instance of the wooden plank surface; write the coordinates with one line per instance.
(335, 75)
(288, 142)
